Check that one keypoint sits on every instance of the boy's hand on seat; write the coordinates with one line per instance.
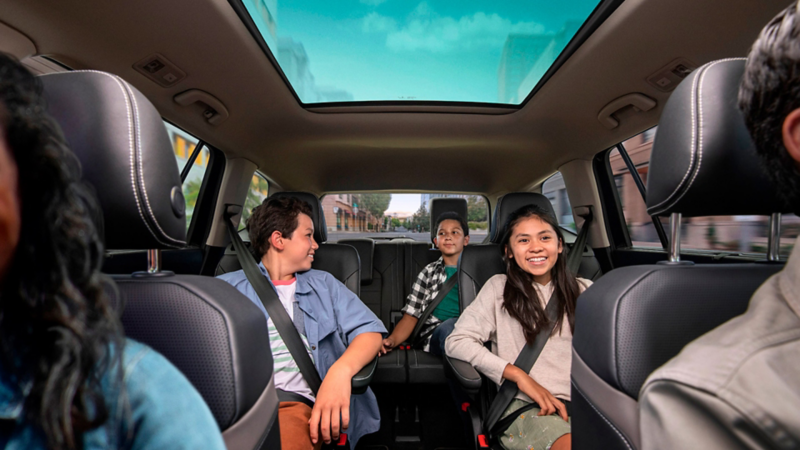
(333, 400)
(387, 346)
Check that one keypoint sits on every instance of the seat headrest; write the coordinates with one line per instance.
(125, 151)
(441, 205)
(703, 161)
(366, 249)
(511, 202)
(317, 217)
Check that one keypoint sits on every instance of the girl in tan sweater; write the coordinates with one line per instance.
(509, 312)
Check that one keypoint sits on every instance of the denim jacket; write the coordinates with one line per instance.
(163, 410)
(333, 317)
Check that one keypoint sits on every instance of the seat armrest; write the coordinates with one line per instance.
(363, 378)
(463, 373)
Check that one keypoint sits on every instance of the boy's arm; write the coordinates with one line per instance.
(415, 304)
(401, 332)
(363, 332)
(333, 398)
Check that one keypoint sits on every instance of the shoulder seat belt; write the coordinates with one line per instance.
(269, 298)
(446, 287)
(525, 361)
(575, 255)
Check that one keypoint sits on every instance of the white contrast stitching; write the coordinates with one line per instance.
(697, 135)
(128, 94)
(141, 168)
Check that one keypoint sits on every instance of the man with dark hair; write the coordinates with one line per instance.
(738, 386)
(452, 234)
(339, 332)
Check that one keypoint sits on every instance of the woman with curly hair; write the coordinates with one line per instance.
(68, 377)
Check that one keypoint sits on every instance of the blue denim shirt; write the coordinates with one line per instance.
(333, 316)
(163, 410)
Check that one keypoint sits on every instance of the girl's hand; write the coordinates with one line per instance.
(547, 402)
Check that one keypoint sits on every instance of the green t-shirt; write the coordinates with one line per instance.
(448, 308)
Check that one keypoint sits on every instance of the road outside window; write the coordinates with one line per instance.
(742, 234)
(383, 215)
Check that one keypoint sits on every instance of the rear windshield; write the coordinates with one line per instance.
(382, 215)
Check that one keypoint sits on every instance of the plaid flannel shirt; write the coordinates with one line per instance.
(425, 289)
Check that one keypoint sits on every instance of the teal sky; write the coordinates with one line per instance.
(415, 50)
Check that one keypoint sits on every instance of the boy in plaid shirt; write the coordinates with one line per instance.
(451, 236)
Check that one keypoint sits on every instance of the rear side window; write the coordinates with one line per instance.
(554, 189)
(736, 234)
(184, 145)
(258, 191)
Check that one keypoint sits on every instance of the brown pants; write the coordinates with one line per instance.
(295, 432)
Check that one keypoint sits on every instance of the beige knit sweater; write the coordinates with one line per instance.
(485, 320)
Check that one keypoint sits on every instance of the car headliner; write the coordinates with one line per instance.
(437, 148)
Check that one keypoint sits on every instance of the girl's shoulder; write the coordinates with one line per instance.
(583, 283)
(497, 281)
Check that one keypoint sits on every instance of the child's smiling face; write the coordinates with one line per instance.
(450, 238)
(535, 246)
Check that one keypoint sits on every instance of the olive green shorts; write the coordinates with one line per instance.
(530, 431)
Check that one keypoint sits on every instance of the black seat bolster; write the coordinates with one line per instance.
(463, 373)
(477, 264)
(634, 319)
(391, 368)
(366, 251)
(342, 262)
(424, 368)
(208, 330)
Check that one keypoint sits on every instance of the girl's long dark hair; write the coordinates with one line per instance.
(520, 299)
(57, 326)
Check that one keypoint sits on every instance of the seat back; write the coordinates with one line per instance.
(205, 327)
(635, 319)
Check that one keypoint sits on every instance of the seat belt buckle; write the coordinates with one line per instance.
(342, 440)
(465, 406)
(483, 442)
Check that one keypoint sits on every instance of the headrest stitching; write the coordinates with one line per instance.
(697, 145)
(693, 140)
(141, 170)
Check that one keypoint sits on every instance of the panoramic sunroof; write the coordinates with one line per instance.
(416, 51)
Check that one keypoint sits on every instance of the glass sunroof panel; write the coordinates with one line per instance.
(435, 50)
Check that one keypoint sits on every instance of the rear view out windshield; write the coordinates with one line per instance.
(383, 215)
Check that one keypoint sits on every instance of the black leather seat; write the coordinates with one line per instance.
(204, 326)
(339, 260)
(635, 319)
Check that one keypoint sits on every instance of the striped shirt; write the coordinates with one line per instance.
(287, 374)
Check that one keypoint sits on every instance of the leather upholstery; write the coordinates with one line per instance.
(634, 319)
(366, 250)
(208, 330)
(703, 161)
(126, 155)
(342, 262)
(511, 202)
(212, 333)
(441, 205)
(477, 264)
(317, 217)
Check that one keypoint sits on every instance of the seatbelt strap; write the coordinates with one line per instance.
(446, 287)
(525, 361)
(269, 298)
(574, 257)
